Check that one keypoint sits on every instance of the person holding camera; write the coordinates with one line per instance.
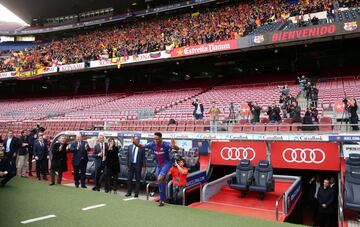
(314, 96)
(198, 109)
(255, 112)
(351, 107)
(274, 113)
(179, 174)
(295, 112)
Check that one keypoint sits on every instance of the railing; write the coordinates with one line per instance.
(230, 127)
(150, 184)
(214, 187)
(341, 203)
(277, 206)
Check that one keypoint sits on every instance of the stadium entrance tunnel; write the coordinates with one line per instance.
(305, 210)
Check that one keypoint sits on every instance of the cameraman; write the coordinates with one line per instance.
(351, 107)
(255, 112)
(295, 112)
(179, 173)
(314, 95)
(284, 90)
(274, 113)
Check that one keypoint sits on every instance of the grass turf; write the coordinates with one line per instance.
(24, 199)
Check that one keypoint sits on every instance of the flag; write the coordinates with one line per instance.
(156, 54)
(196, 14)
(169, 48)
(119, 62)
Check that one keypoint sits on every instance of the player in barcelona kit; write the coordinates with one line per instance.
(162, 150)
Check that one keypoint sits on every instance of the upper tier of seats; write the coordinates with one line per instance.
(208, 25)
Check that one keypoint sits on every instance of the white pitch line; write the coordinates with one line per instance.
(93, 207)
(128, 199)
(38, 219)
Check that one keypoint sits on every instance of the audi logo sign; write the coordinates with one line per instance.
(237, 153)
(230, 153)
(305, 155)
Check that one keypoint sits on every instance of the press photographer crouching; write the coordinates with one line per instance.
(351, 107)
(179, 173)
(6, 171)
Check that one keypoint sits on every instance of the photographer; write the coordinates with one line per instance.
(314, 94)
(351, 107)
(285, 102)
(308, 90)
(295, 112)
(255, 112)
(302, 82)
(308, 122)
(284, 90)
(274, 113)
(314, 114)
(198, 109)
(179, 173)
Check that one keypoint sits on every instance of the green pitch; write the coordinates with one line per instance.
(24, 199)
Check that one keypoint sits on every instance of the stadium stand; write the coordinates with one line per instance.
(222, 23)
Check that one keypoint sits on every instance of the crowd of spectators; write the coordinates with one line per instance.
(144, 36)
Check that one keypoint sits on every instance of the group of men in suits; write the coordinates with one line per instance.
(107, 165)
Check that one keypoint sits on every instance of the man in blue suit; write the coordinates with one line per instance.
(41, 153)
(79, 148)
(135, 162)
(99, 152)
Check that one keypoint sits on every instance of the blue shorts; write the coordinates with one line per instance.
(163, 170)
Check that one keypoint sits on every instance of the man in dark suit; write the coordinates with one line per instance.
(79, 147)
(32, 138)
(11, 147)
(135, 162)
(325, 199)
(100, 151)
(334, 205)
(58, 160)
(198, 109)
(6, 172)
(41, 153)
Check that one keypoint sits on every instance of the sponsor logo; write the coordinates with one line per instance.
(237, 153)
(306, 155)
(72, 67)
(350, 26)
(258, 39)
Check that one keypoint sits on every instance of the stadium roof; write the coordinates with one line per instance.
(29, 9)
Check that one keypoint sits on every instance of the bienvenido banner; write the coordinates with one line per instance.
(204, 48)
(306, 33)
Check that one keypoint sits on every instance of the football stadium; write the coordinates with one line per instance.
(179, 113)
